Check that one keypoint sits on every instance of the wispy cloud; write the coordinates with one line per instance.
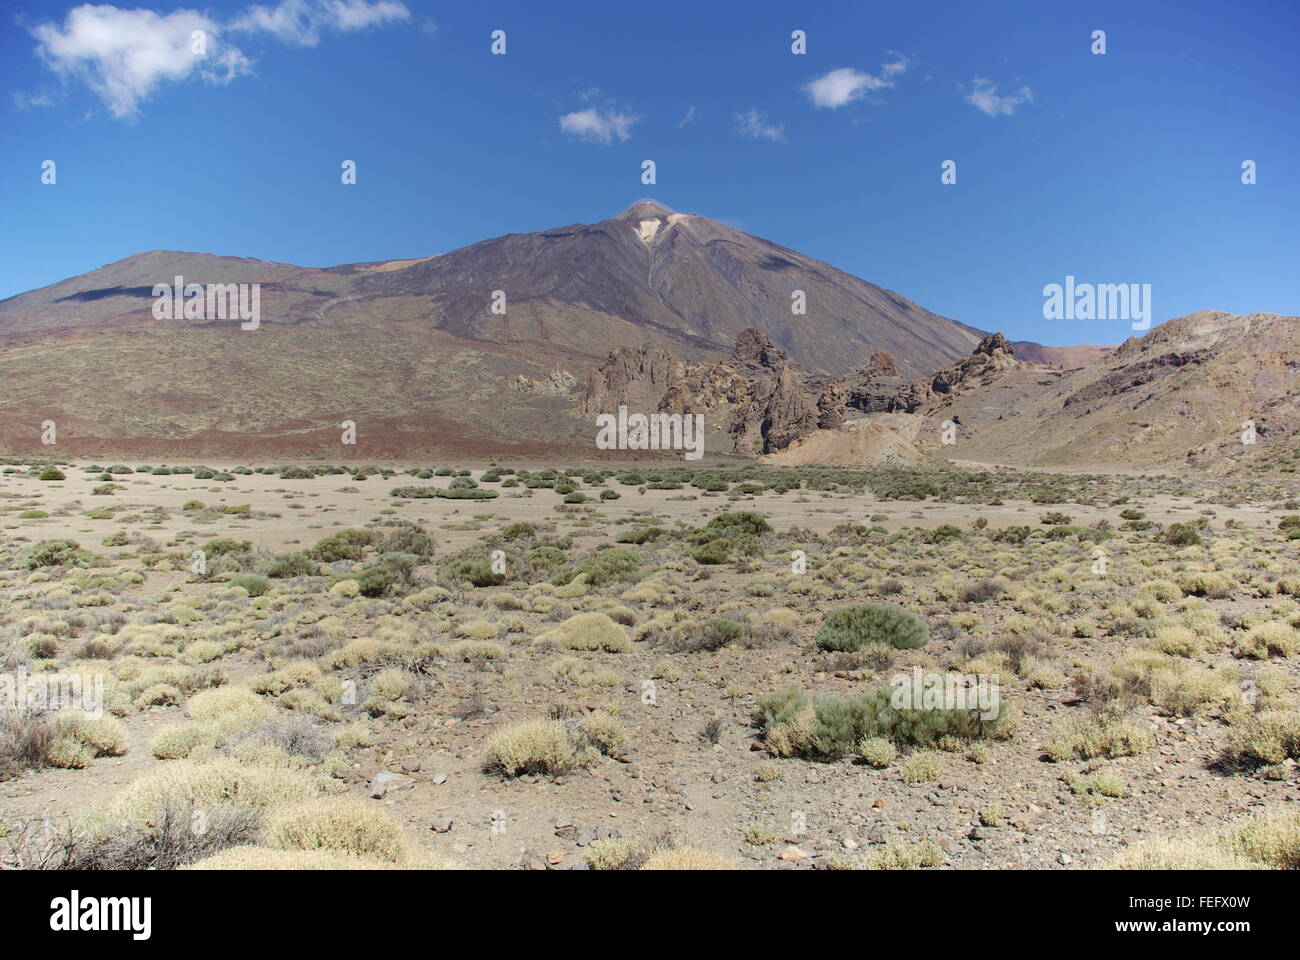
(302, 22)
(754, 125)
(985, 98)
(689, 117)
(600, 124)
(124, 56)
(846, 84)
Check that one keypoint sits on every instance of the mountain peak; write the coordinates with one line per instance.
(645, 209)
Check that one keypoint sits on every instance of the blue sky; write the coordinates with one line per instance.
(1119, 168)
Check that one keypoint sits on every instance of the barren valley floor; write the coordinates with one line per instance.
(553, 679)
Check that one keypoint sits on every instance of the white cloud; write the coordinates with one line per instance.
(599, 124)
(985, 98)
(124, 56)
(843, 86)
(753, 124)
(302, 21)
(689, 117)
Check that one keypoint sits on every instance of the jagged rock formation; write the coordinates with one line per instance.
(872, 388)
(629, 376)
(768, 401)
(764, 399)
(781, 412)
(991, 358)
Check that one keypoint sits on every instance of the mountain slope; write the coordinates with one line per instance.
(1176, 397)
(411, 351)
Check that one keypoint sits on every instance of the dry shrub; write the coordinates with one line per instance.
(687, 858)
(177, 833)
(267, 858)
(1089, 736)
(908, 855)
(26, 737)
(209, 784)
(531, 746)
(1178, 853)
(588, 631)
(1267, 640)
(346, 826)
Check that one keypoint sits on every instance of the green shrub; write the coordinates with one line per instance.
(712, 553)
(852, 628)
(222, 546)
(720, 633)
(457, 493)
(409, 538)
(295, 564)
(414, 493)
(255, 584)
(53, 553)
(612, 565)
(827, 727)
(1180, 535)
(344, 545)
(945, 533)
(390, 575)
(692, 636)
(471, 566)
(641, 535)
(745, 522)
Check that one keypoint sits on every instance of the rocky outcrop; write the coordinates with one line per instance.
(872, 388)
(629, 375)
(755, 349)
(781, 411)
(766, 400)
(993, 355)
(1134, 376)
